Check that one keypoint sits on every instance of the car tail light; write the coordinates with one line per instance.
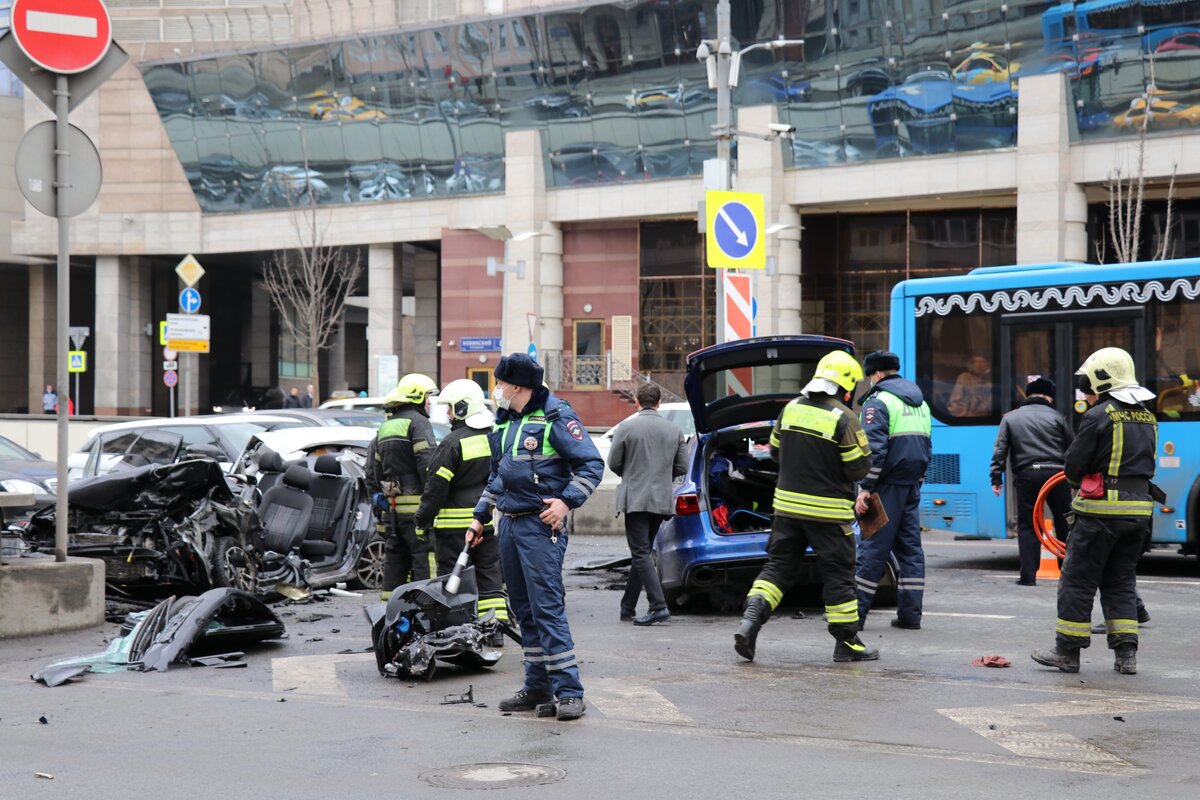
(687, 504)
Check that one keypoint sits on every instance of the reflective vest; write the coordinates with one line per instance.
(822, 451)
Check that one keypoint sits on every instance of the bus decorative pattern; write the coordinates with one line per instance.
(1056, 297)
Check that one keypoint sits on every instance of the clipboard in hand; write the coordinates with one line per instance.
(874, 518)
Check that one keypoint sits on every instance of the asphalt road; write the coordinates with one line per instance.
(673, 712)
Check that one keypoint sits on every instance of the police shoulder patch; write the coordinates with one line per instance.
(575, 429)
(869, 415)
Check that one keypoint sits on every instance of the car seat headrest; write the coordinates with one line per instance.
(270, 461)
(328, 465)
(297, 477)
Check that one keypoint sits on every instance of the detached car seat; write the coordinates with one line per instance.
(330, 492)
(270, 470)
(285, 511)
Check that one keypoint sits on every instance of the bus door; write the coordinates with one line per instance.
(1055, 344)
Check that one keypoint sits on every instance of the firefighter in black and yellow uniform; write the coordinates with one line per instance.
(822, 451)
(1110, 464)
(400, 459)
(458, 474)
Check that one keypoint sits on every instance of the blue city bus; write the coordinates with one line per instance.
(1105, 23)
(973, 341)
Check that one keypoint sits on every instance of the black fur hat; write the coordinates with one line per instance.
(1040, 385)
(520, 370)
(880, 360)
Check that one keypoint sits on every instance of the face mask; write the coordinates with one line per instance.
(501, 400)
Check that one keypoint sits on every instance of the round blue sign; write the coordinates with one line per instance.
(533, 351)
(189, 300)
(736, 230)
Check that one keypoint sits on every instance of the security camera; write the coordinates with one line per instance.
(702, 52)
(781, 128)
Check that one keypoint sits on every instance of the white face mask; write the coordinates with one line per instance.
(501, 400)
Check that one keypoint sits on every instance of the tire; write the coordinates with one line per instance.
(233, 566)
(368, 572)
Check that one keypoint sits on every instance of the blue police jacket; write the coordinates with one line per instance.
(895, 418)
(541, 453)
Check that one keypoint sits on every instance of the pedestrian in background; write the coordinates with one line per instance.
(49, 400)
(648, 453)
(293, 399)
(896, 420)
(821, 452)
(1032, 438)
(307, 400)
(1111, 464)
(543, 465)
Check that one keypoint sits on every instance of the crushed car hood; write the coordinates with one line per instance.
(155, 486)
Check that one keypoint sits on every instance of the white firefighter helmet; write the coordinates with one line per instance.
(466, 402)
(1109, 368)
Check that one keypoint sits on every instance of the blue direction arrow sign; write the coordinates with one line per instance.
(734, 230)
(189, 300)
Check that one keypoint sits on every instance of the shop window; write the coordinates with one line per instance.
(677, 311)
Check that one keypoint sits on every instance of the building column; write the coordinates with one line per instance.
(541, 291)
(760, 170)
(385, 296)
(43, 316)
(120, 349)
(424, 342)
(1051, 208)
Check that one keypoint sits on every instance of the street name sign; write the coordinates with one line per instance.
(734, 230)
(62, 36)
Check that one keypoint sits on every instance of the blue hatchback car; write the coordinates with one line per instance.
(717, 541)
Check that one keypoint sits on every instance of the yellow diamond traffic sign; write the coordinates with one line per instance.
(733, 230)
(189, 270)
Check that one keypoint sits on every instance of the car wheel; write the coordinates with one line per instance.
(368, 572)
(233, 567)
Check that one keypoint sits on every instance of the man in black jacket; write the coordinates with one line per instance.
(1033, 437)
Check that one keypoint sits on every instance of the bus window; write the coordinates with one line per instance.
(955, 367)
(1033, 354)
(1175, 377)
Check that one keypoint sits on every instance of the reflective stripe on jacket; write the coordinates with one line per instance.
(458, 474)
(896, 420)
(403, 450)
(822, 451)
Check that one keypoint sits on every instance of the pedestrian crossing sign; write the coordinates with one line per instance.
(76, 361)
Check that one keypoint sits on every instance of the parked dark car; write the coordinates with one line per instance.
(23, 472)
(717, 541)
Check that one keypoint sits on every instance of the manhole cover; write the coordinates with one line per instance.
(492, 776)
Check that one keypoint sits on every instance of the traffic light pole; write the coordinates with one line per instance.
(724, 134)
(62, 189)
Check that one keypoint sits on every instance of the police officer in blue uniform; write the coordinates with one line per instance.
(895, 418)
(543, 465)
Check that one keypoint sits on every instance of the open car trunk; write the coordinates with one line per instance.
(739, 479)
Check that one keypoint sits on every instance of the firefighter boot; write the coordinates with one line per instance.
(1065, 660)
(1126, 661)
(756, 614)
(854, 650)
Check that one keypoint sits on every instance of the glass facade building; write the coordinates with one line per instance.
(618, 95)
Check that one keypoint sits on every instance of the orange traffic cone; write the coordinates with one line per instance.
(1048, 566)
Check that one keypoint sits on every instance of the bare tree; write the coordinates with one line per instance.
(1126, 195)
(309, 285)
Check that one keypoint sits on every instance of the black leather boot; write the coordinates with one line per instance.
(1064, 660)
(524, 701)
(1126, 661)
(854, 650)
(753, 618)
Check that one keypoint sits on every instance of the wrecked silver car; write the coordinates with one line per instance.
(422, 625)
(158, 529)
(192, 630)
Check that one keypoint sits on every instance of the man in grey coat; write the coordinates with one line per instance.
(648, 452)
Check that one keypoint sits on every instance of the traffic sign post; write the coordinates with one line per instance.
(54, 47)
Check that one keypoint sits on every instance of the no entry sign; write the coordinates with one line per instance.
(63, 36)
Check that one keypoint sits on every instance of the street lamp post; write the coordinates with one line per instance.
(723, 65)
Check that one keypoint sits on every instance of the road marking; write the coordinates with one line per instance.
(1164, 581)
(620, 699)
(969, 616)
(313, 674)
(1020, 730)
(62, 24)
